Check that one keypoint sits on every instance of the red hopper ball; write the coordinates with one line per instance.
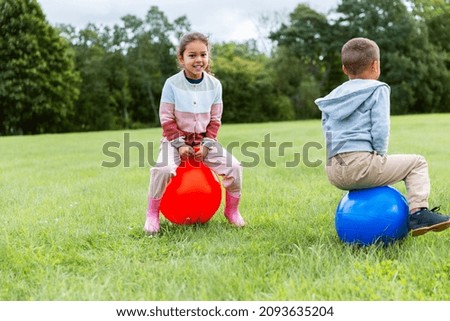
(193, 195)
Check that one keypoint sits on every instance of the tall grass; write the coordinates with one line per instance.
(71, 229)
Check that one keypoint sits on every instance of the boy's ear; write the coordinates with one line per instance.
(345, 70)
(375, 65)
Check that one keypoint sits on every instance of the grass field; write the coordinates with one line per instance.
(71, 229)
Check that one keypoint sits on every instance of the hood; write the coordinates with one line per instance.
(345, 99)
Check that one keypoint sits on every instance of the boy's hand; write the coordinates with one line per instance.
(200, 152)
(185, 151)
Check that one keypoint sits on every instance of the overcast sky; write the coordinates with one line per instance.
(222, 20)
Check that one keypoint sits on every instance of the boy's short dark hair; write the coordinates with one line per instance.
(358, 53)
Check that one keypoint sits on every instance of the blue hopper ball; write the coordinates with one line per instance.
(372, 215)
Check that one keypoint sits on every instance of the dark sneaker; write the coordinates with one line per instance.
(425, 220)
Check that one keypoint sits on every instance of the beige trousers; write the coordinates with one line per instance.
(357, 170)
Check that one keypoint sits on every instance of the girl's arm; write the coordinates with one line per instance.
(167, 117)
(169, 125)
(213, 127)
(215, 121)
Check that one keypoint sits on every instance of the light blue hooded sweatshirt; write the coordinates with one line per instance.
(355, 117)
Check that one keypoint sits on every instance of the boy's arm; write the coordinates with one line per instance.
(380, 115)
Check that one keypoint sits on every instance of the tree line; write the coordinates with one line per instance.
(61, 79)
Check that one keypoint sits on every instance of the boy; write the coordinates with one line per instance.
(355, 120)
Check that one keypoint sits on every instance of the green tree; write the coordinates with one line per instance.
(151, 59)
(413, 67)
(94, 110)
(38, 83)
(307, 57)
(436, 15)
(123, 69)
(249, 93)
(306, 60)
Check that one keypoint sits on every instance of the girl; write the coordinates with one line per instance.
(190, 114)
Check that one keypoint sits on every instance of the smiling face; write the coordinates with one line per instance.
(194, 59)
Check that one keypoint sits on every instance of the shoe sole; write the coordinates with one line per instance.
(435, 228)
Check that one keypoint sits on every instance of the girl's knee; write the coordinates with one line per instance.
(163, 171)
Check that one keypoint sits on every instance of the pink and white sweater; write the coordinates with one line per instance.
(191, 113)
